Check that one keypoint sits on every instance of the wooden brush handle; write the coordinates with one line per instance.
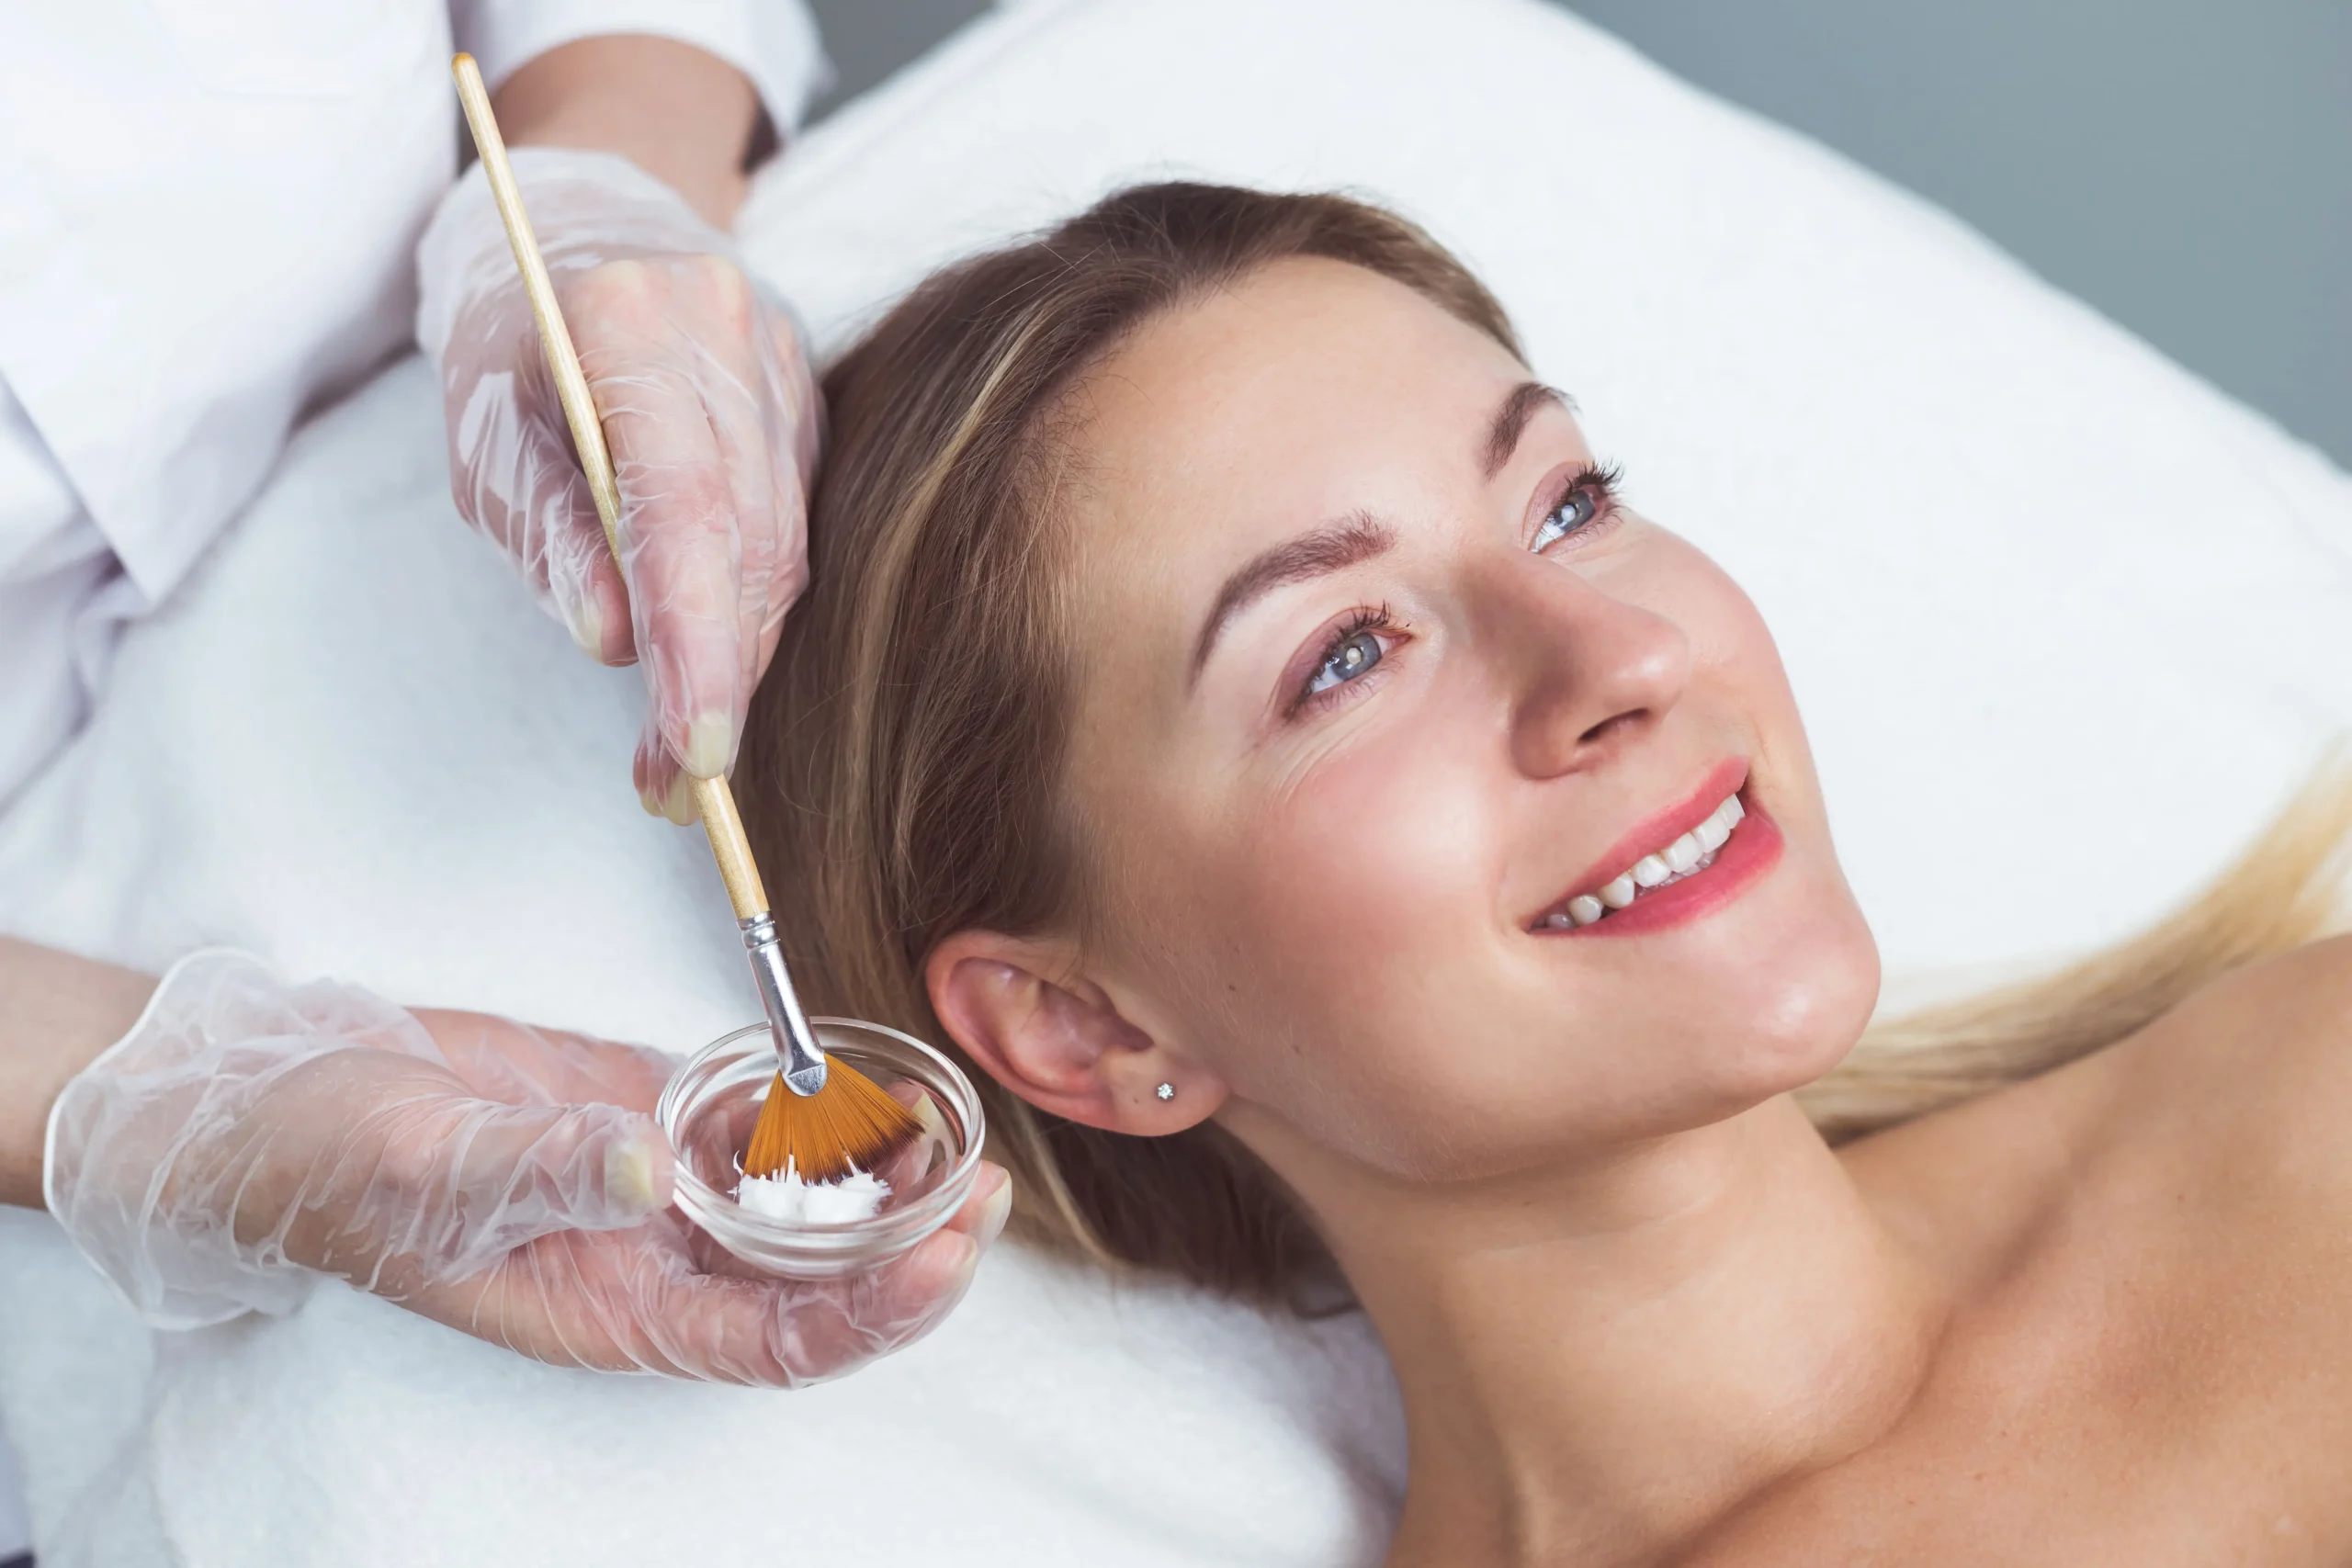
(713, 799)
(730, 848)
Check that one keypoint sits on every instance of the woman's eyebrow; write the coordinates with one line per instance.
(1358, 537)
(1333, 548)
(1510, 421)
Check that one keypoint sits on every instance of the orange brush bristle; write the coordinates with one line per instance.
(850, 1124)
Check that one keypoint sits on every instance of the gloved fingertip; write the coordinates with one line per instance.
(993, 1217)
(588, 625)
(673, 800)
(616, 637)
(965, 1267)
(935, 1274)
(678, 802)
(710, 745)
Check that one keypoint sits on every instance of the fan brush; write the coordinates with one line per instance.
(850, 1124)
(823, 1118)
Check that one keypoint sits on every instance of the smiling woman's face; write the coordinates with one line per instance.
(1380, 696)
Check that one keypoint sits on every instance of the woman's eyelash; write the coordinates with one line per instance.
(1589, 497)
(1355, 647)
(1350, 652)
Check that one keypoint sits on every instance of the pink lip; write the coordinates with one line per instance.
(1754, 848)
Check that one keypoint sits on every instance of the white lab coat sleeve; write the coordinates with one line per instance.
(774, 42)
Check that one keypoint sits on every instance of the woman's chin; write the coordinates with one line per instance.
(1732, 1043)
(1803, 986)
(1799, 1029)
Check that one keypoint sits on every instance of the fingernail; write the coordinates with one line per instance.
(588, 625)
(966, 1269)
(678, 805)
(708, 740)
(628, 1174)
(998, 1209)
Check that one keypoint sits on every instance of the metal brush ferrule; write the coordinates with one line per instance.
(804, 1064)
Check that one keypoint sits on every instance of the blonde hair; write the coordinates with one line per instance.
(2286, 889)
(900, 770)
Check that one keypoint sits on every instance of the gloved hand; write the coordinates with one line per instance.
(246, 1137)
(708, 406)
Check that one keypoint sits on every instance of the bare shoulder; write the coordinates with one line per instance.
(2149, 1257)
(2280, 1023)
(2253, 1072)
(2233, 1112)
(2266, 1048)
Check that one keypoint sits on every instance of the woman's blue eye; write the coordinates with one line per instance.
(1579, 507)
(1351, 659)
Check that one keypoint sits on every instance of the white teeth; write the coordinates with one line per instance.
(1693, 852)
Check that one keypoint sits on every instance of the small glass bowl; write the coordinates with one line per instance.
(710, 1104)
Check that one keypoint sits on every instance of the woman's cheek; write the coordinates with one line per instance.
(1369, 883)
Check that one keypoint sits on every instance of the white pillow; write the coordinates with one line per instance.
(2066, 625)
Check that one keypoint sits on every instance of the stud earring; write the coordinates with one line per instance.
(1166, 1091)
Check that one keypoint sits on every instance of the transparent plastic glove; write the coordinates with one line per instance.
(248, 1137)
(708, 408)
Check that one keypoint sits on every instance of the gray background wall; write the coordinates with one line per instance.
(2185, 166)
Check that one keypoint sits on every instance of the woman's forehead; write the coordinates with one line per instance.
(1311, 388)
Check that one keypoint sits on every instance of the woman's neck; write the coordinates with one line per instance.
(1602, 1366)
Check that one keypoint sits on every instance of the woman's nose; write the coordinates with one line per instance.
(1589, 671)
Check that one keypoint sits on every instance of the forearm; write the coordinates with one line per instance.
(683, 116)
(57, 1012)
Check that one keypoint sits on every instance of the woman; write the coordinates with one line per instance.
(1234, 707)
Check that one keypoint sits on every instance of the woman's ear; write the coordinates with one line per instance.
(1019, 1007)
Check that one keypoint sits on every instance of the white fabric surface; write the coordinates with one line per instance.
(207, 209)
(15, 1529)
(62, 598)
(2066, 624)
